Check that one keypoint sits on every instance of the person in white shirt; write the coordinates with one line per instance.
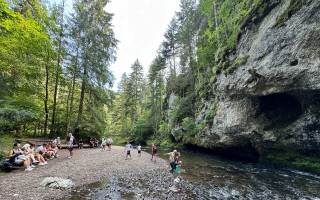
(58, 142)
(139, 150)
(109, 142)
(70, 146)
(128, 147)
(103, 144)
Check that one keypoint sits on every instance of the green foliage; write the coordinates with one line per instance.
(188, 126)
(33, 41)
(11, 119)
(218, 40)
(293, 160)
(240, 61)
(6, 143)
(164, 128)
(293, 7)
(141, 130)
(212, 111)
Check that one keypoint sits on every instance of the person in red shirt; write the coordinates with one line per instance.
(153, 152)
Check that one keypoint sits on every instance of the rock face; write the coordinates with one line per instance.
(272, 102)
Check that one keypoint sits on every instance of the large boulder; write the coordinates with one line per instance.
(57, 183)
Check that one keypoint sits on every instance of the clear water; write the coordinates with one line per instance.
(208, 177)
(233, 179)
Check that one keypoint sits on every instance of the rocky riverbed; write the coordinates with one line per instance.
(97, 174)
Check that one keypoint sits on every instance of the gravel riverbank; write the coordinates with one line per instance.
(88, 166)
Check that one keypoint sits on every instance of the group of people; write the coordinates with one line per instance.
(28, 155)
(106, 142)
(174, 158)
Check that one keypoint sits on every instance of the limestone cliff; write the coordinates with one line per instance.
(272, 101)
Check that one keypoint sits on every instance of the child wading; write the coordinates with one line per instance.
(175, 158)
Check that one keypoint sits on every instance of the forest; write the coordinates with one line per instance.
(55, 70)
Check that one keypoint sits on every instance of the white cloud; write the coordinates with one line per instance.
(139, 25)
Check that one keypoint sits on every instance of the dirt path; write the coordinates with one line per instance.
(86, 167)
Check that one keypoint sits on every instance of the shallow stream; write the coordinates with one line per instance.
(205, 176)
(233, 179)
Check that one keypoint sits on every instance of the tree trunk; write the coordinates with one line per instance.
(52, 129)
(46, 100)
(83, 87)
(72, 93)
(35, 130)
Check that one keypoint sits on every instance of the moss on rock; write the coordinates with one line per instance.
(293, 7)
(302, 162)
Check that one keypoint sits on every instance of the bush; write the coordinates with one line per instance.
(6, 143)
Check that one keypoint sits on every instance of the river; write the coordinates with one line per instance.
(232, 179)
(209, 177)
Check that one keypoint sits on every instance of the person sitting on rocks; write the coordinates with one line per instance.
(42, 151)
(80, 146)
(50, 151)
(14, 158)
(39, 156)
(96, 142)
(91, 142)
(55, 148)
(58, 142)
(29, 153)
(31, 149)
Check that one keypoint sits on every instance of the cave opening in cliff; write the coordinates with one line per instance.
(280, 110)
(244, 152)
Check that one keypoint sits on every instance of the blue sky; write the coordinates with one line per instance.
(139, 25)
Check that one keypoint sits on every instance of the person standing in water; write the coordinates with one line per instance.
(175, 166)
(128, 148)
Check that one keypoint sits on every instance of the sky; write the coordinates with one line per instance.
(139, 25)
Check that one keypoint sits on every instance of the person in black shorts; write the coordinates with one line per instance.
(139, 150)
(128, 147)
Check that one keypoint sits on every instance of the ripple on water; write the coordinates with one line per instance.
(208, 177)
